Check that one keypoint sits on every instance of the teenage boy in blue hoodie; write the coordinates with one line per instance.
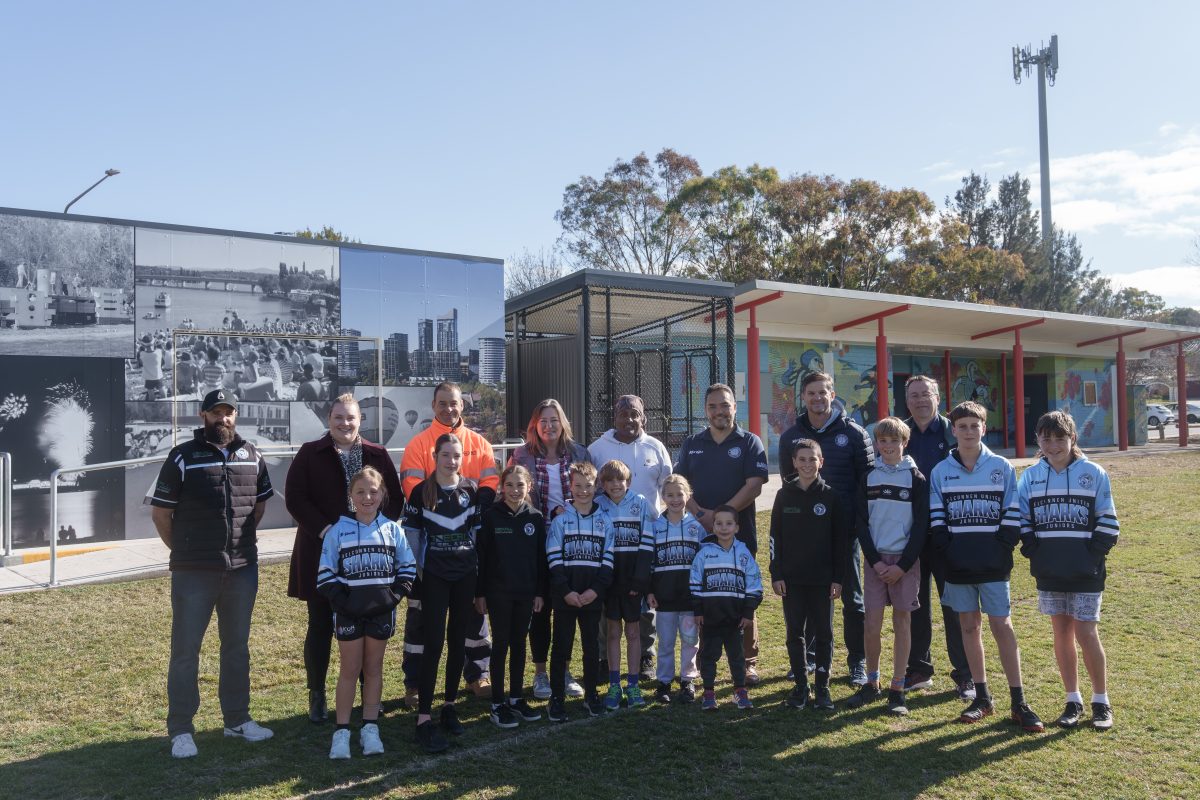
(893, 516)
(974, 518)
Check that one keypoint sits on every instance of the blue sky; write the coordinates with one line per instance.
(455, 126)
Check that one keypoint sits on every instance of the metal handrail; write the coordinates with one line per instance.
(6, 500)
(133, 462)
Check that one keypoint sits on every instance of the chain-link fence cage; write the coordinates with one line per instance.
(593, 336)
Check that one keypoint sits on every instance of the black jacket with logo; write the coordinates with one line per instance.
(213, 496)
(810, 535)
(512, 552)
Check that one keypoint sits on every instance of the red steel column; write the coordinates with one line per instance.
(1122, 400)
(1004, 395)
(1181, 393)
(881, 373)
(752, 371)
(1019, 393)
(946, 376)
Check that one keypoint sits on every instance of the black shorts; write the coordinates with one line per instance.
(620, 605)
(380, 626)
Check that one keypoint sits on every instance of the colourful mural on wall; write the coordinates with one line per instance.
(1083, 388)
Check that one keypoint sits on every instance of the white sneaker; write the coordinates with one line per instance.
(251, 731)
(182, 746)
(541, 686)
(368, 737)
(573, 687)
(341, 744)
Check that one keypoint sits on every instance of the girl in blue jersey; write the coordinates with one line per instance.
(1068, 525)
(366, 568)
(442, 518)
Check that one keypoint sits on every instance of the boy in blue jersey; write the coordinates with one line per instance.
(632, 519)
(579, 551)
(1068, 525)
(973, 517)
(726, 588)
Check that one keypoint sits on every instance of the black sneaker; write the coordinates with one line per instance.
(1102, 716)
(557, 711)
(504, 717)
(1072, 712)
(858, 674)
(868, 693)
(917, 680)
(791, 676)
(965, 690)
(525, 711)
(662, 693)
(450, 723)
(980, 707)
(895, 703)
(687, 692)
(1023, 715)
(594, 705)
(799, 696)
(430, 738)
(822, 701)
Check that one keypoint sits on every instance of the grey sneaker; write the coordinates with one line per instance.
(183, 746)
(573, 687)
(340, 749)
(251, 731)
(368, 737)
(541, 686)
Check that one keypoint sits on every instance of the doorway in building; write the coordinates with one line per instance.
(1037, 402)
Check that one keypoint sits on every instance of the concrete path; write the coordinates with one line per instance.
(143, 558)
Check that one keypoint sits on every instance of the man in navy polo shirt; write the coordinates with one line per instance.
(726, 465)
(849, 456)
(932, 439)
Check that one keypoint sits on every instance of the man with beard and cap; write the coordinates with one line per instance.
(726, 465)
(207, 502)
(649, 463)
(849, 456)
(478, 464)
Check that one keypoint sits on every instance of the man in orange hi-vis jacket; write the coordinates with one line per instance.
(478, 464)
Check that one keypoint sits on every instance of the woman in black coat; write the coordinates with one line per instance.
(316, 494)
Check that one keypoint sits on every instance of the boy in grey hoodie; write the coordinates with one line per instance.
(893, 516)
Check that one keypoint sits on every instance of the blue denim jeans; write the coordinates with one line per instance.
(194, 595)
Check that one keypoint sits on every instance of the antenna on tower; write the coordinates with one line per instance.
(1046, 60)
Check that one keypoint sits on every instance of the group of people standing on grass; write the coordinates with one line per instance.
(635, 550)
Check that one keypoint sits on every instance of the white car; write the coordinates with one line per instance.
(1158, 415)
(1193, 411)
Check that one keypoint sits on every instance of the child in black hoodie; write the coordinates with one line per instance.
(810, 552)
(513, 585)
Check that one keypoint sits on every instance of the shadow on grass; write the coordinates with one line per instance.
(658, 752)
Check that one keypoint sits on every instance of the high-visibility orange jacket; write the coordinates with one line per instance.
(478, 462)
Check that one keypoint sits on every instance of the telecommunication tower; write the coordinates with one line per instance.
(1046, 59)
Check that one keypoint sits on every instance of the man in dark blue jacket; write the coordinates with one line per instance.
(207, 503)
(932, 439)
(849, 456)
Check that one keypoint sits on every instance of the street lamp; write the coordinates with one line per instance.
(108, 173)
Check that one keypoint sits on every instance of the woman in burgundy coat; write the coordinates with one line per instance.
(316, 494)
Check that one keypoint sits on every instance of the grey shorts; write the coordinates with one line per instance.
(1083, 606)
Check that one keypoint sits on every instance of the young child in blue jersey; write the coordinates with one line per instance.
(973, 517)
(512, 586)
(893, 516)
(677, 537)
(579, 552)
(726, 588)
(442, 517)
(1068, 525)
(810, 554)
(632, 518)
(366, 569)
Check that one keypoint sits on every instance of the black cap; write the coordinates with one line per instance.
(218, 397)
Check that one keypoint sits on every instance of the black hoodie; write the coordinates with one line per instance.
(512, 552)
(810, 535)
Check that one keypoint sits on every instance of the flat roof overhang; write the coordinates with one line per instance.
(811, 312)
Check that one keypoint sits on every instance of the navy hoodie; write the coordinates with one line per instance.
(845, 446)
(512, 552)
(810, 535)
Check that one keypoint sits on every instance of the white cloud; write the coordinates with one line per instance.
(1179, 285)
(937, 165)
(1136, 193)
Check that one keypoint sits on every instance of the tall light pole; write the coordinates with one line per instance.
(108, 173)
(1046, 59)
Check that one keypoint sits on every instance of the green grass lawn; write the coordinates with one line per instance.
(83, 699)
